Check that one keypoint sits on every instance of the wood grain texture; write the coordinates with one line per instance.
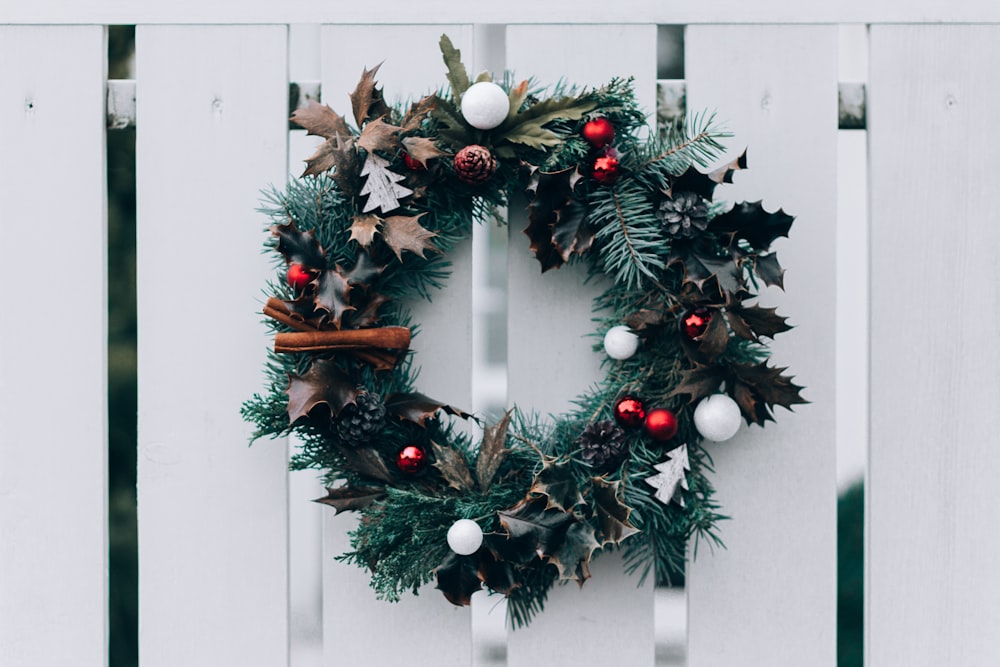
(53, 347)
(933, 584)
(550, 360)
(424, 630)
(213, 519)
(770, 597)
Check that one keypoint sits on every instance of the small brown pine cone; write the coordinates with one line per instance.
(474, 164)
(603, 446)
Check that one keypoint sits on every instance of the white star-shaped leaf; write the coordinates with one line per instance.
(671, 476)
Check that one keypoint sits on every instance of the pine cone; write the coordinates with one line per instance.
(474, 164)
(360, 421)
(603, 444)
(683, 215)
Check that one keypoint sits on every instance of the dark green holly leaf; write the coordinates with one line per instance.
(572, 559)
(453, 467)
(557, 219)
(458, 578)
(333, 295)
(612, 513)
(758, 388)
(350, 498)
(492, 452)
(693, 181)
(530, 525)
(364, 271)
(299, 247)
(324, 384)
(724, 174)
(451, 127)
(368, 462)
(647, 318)
(714, 341)
(700, 381)
(750, 222)
(751, 322)
(417, 408)
(557, 483)
(368, 315)
(701, 263)
(767, 267)
(496, 573)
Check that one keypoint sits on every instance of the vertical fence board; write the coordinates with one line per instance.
(550, 360)
(212, 119)
(933, 586)
(770, 597)
(53, 347)
(426, 630)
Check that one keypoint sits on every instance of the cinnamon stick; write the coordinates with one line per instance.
(381, 347)
(276, 309)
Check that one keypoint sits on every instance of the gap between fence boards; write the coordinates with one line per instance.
(671, 102)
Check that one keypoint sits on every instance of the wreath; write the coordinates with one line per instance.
(368, 228)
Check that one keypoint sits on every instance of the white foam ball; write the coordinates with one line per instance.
(620, 342)
(717, 417)
(465, 537)
(485, 105)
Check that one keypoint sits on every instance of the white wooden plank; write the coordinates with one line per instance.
(770, 598)
(550, 360)
(53, 347)
(213, 567)
(512, 11)
(427, 630)
(933, 584)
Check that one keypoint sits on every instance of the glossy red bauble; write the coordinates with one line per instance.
(605, 169)
(598, 132)
(696, 322)
(412, 163)
(299, 276)
(661, 424)
(630, 412)
(410, 459)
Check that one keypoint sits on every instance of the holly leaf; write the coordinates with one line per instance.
(557, 483)
(366, 100)
(724, 174)
(700, 381)
(646, 319)
(323, 384)
(382, 185)
(417, 408)
(750, 222)
(320, 120)
(351, 498)
(767, 267)
(458, 578)
(453, 467)
(757, 388)
(712, 343)
(379, 135)
(333, 295)
(557, 219)
(417, 112)
(692, 181)
(404, 232)
(496, 572)
(700, 263)
(368, 316)
(572, 559)
(492, 452)
(457, 75)
(422, 149)
(530, 525)
(670, 477)
(612, 513)
(363, 229)
(368, 462)
(751, 322)
(364, 271)
(337, 153)
(299, 247)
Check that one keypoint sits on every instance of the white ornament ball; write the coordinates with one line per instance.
(485, 105)
(465, 537)
(717, 417)
(620, 342)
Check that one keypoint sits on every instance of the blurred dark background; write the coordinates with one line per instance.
(123, 592)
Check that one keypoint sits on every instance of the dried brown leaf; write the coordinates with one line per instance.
(453, 467)
(404, 232)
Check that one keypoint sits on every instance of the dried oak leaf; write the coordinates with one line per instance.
(379, 135)
(757, 388)
(299, 247)
(367, 100)
(557, 219)
(612, 513)
(557, 483)
(404, 232)
(531, 526)
(417, 408)
(363, 229)
(752, 322)
(320, 120)
(323, 384)
(572, 558)
(422, 149)
(458, 578)
(350, 498)
(750, 222)
(453, 467)
(492, 452)
(333, 295)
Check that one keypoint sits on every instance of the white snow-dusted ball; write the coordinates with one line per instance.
(717, 417)
(465, 537)
(485, 105)
(620, 342)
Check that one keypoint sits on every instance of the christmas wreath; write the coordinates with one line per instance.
(368, 227)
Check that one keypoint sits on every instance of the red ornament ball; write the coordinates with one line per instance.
(412, 163)
(605, 169)
(630, 412)
(661, 424)
(410, 459)
(299, 276)
(598, 132)
(696, 322)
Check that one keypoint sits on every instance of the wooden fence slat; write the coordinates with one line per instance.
(53, 347)
(425, 630)
(770, 597)
(550, 360)
(933, 588)
(213, 566)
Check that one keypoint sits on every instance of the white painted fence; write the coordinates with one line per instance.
(221, 561)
